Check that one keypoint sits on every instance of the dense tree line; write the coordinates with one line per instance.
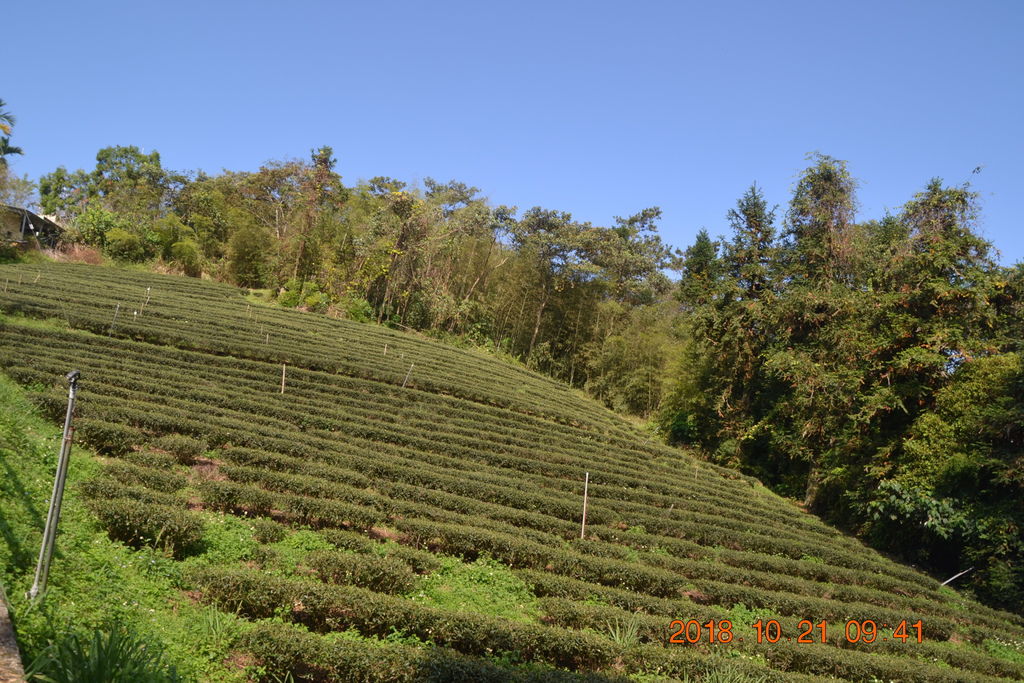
(872, 369)
(586, 304)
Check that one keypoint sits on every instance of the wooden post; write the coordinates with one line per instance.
(385, 344)
(284, 367)
(268, 339)
(38, 273)
(406, 380)
(586, 486)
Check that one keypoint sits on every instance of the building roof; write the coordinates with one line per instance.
(46, 230)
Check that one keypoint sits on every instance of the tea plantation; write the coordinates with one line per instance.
(406, 510)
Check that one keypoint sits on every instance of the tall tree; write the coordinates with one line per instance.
(820, 220)
(557, 245)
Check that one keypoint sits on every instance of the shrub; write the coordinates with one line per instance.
(124, 246)
(379, 574)
(151, 478)
(187, 254)
(267, 530)
(138, 523)
(107, 438)
(185, 448)
(237, 498)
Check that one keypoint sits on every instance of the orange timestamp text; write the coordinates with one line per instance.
(770, 631)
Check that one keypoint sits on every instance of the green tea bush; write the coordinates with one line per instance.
(108, 438)
(286, 651)
(237, 498)
(137, 523)
(185, 448)
(379, 574)
(156, 479)
(267, 530)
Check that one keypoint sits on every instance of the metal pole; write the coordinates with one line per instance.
(53, 516)
(586, 485)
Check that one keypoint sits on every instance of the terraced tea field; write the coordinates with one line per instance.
(387, 455)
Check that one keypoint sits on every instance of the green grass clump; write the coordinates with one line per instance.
(111, 655)
(483, 586)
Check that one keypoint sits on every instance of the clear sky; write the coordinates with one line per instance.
(597, 108)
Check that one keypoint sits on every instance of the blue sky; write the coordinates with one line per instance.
(596, 108)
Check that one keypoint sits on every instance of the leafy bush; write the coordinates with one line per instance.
(189, 256)
(137, 523)
(185, 448)
(379, 574)
(124, 246)
(108, 438)
(267, 530)
(156, 479)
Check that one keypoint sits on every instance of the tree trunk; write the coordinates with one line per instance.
(536, 323)
(813, 487)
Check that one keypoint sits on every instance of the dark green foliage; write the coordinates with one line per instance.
(124, 246)
(112, 655)
(867, 369)
(143, 475)
(231, 497)
(268, 531)
(185, 448)
(187, 254)
(140, 523)
(289, 650)
(379, 574)
(247, 257)
(110, 438)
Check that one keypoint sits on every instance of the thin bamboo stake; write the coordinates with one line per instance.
(957, 576)
(406, 380)
(586, 486)
(284, 367)
(116, 310)
(146, 302)
(385, 345)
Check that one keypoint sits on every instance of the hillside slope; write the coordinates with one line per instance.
(387, 455)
